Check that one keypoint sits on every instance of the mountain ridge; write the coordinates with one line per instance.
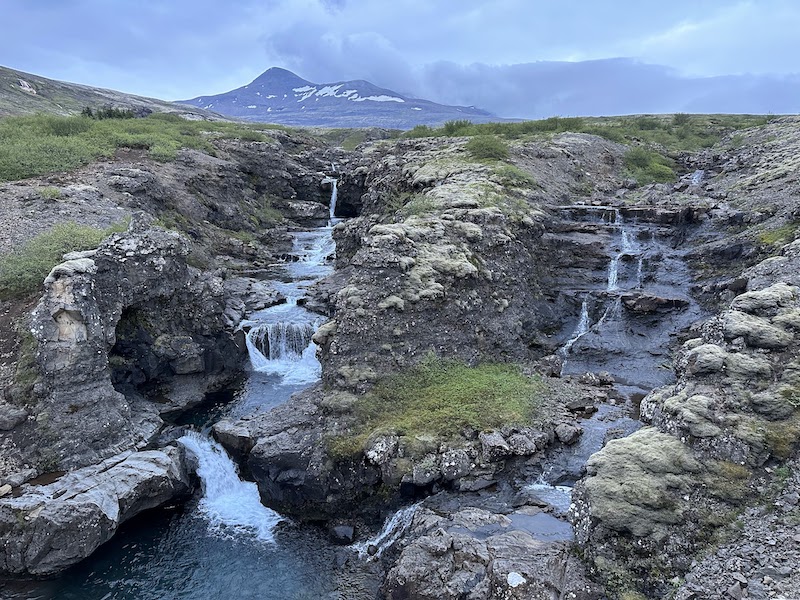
(281, 96)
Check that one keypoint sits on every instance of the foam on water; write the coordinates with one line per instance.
(232, 507)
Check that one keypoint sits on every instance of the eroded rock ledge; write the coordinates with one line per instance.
(45, 529)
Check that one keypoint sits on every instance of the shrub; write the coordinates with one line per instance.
(420, 131)
(681, 119)
(22, 271)
(647, 166)
(512, 176)
(487, 147)
(456, 127)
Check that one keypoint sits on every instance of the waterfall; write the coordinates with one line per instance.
(628, 247)
(698, 176)
(281, 340)
(581, 328)
(393, 528)
(640, 272)
(334, 194)
(283, 348)
(613, 273)
(558, 496)
(232, 507)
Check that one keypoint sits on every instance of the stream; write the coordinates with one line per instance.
(224, 539)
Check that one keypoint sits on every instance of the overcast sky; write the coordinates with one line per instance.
(516, 58)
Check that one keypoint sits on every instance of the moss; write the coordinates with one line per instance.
(50, 193)
(27, 372)
(780, 235)
(442, 398)
(727, 481)
(512, 176)
(782, 437)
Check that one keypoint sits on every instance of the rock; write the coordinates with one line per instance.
(766, 302)
(641, 302)
(5, 490)
(756, 331)
(475, 554)
(708, 358)
(49, 528)
(455, 464)
(494, 446)
(11, 416)
(342, 534)
(568, 434)
(92, 342)
(235, 437)
(735, 591)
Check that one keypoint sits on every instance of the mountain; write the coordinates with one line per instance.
(24, 94)
(280, 96)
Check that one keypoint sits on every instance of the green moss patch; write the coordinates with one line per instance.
(443, 398)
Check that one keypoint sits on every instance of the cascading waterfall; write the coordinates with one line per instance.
(581, 329)
(279, 340)
(334, 194)
(232, 507)
(391, 531)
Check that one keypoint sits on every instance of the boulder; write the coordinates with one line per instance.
(48, 528)
(756, 331)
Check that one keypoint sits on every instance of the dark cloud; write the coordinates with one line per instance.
(523, 58)
(605, 87)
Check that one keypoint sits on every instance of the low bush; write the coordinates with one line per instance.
(22, 271)
(487, 147)
(41, 144)
(647, 166)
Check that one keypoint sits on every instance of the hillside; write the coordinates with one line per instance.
(280, 96)
(26, 94)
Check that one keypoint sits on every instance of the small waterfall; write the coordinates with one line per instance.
(558, 496)
(581, 329)
(334, 194)
(698, 176)
(283, 348)
(628, 247)
(392, 529)
(280, 340)
(613, 273)
(232, 506)
(640, 272)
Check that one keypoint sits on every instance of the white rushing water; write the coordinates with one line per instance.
(581, 329)
(391, 531)
(232, 507)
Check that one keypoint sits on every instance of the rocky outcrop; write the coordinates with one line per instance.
(115, 325)
(294, 456)
(45, 529)
(652, 501)
(481, 555)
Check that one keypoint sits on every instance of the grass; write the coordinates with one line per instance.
(673, 133)
(648, 166)
(42, 144)
(22, 271)
(443, 398)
